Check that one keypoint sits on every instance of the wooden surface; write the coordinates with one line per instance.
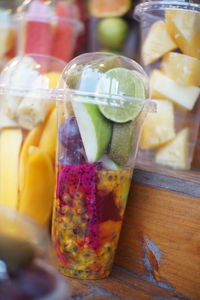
(121, 285)
(160, 239)
(158, 256)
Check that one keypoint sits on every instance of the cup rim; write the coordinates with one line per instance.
(77, 24)
(148, 7)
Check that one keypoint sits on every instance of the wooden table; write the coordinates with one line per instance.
(158, 256)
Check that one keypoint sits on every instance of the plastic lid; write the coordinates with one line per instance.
(151, 6)
(23, 76)
(49, 12)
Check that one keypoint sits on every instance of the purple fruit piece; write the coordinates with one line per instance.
(82, 180)
(69, 136)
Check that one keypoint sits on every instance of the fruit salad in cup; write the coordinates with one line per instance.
(28, 135)
(98, 129)
(171, 55)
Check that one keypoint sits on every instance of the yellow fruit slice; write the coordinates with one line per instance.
(49, 135)
(10, 143)
(53, 79)
(108, 8)
(36, 196)
(162, 87)
(176, 153)
(184, 27)
(158, 128)
(32, 139)
(157, 43)
(182, 68)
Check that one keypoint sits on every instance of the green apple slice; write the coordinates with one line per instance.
(95, 130)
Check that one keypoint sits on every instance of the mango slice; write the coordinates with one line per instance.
(49, 135)
(184, 28)
(36, 197)
(10, 143)
(32, 139)
(182, 68)
(158, 128)
(158, 42)
(53, 79)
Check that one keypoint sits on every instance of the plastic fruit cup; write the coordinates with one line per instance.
(28, 135)
(170, 54)
(47, 33)
(99, 122)
(25, 260)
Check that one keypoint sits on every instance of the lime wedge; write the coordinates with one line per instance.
(121, 82)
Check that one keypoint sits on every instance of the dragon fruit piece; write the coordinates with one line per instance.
(80, 180)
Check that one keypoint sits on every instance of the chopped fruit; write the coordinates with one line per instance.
(121, 81)
(10, 144)
(49, 135)
(157, 43)
(108, 8)
(182, 68)
(158, 128)
(163, 87)
(36, 197)
(32, 139)
(184, 27)
(122, 141)
(53, 79)
(175, 154)
(95, 130)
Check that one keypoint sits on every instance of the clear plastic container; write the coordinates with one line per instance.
(8, 31)
(48, 27)
(99, 122)
(28, 135)
(170, 54)
(26, 270)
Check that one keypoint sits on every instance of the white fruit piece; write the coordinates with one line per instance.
(10, 144)
(182, 68)
(5, 121)
(158, 127)
(32, 109)
(176, 153)
(162, 86)
(11, 78)
(184, 27)
(157, 43)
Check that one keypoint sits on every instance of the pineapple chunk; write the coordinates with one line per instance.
(157, 43)
(184, 27)
(163, 87)
(176, 153)
(182, 68)
(158, 127)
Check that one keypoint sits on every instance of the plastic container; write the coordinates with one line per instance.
(8, 31)
(25, 261)
(28, 135)
(95, 159)
(49, 28)
(170, 54)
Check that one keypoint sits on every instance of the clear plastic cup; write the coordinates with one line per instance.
(8, 31)
(99, 123)
(170, 54)
(28, 135)
(26, 269)
(49, 28)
